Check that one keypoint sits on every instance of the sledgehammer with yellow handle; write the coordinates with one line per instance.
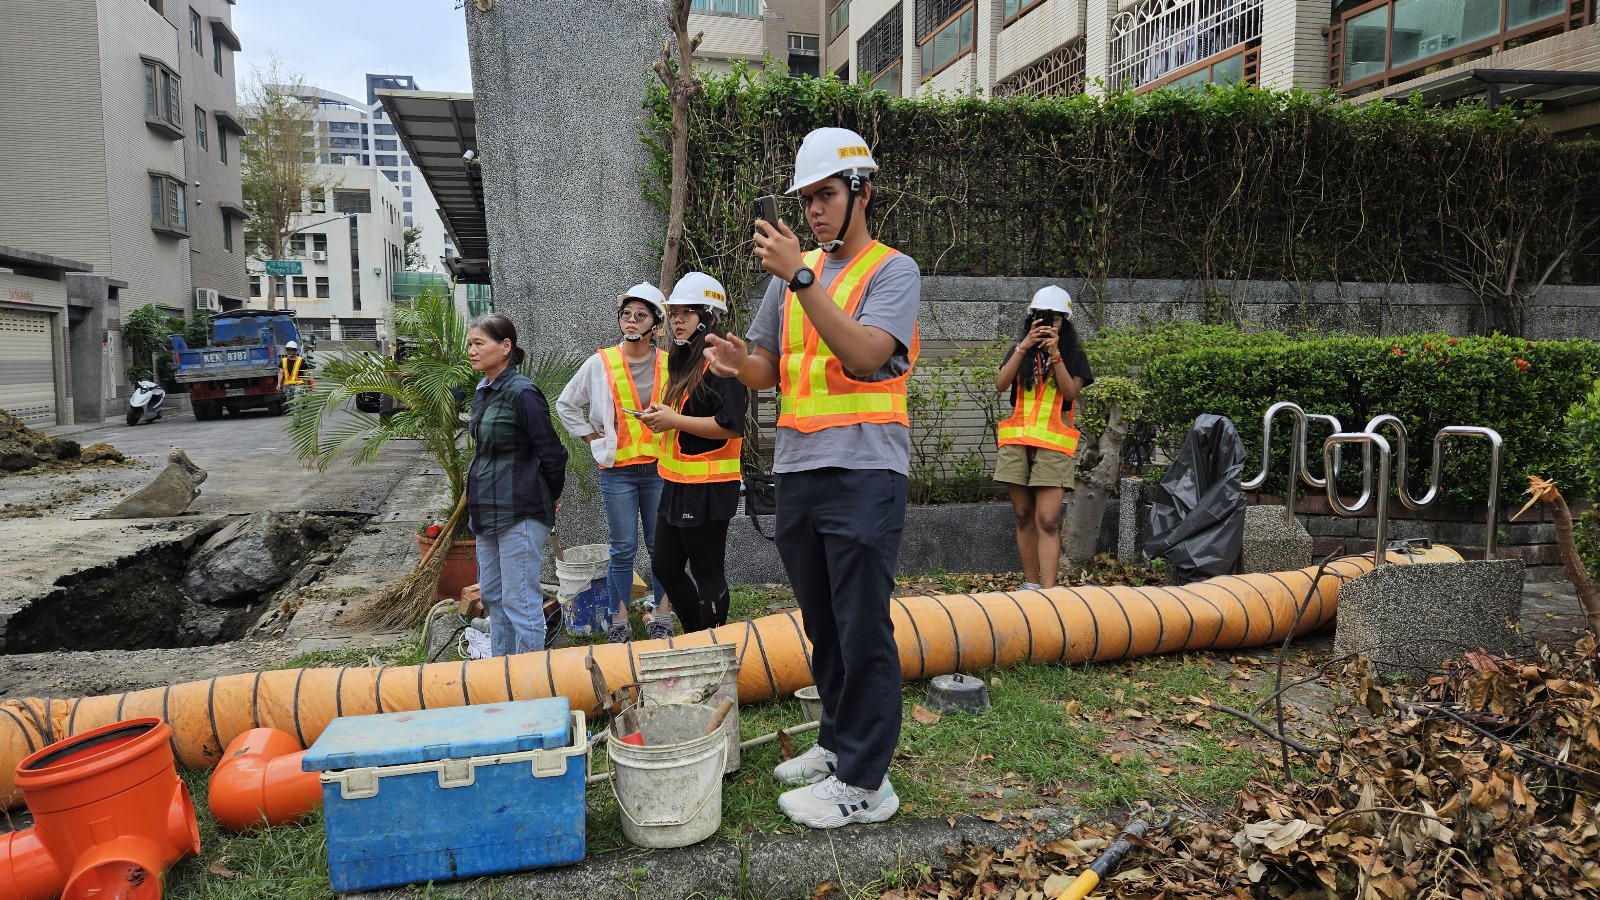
(1106, 863)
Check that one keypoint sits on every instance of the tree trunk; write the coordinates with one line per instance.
(1087, 506)
(1568, 544)
(681, 85)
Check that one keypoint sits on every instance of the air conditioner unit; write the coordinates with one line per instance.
(206, 299)
(318, 206)
(319, 256)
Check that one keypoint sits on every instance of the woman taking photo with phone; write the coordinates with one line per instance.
(701, 423)
(600, 407)
(518, 469)
(1038, 442)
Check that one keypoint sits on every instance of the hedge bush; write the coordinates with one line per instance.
(1583, 431)
(1212, 184)
(1522, 389)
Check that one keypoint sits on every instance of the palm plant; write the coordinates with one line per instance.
(431, 389)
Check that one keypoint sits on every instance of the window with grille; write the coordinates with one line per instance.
(734, 7)
(933, 14)
(1158, 38)
(949, 42)
(168, 204)
(1059, 74)
(882, 45)
(162, 95)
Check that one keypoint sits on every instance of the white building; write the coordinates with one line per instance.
(350, 245)
(1545, 51)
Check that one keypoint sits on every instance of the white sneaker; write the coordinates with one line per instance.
(831, 803)
(809, 767)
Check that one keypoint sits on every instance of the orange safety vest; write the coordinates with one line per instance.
(292, 375)
(636, 444)
(815, 392)
(720, 464)
(1036, 419)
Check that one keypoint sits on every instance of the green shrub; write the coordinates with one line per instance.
(1519, 388)
(1583, 435)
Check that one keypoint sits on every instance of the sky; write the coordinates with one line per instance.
(333, 44)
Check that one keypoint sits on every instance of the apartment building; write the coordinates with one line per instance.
(128, 159)
(1546, 51)
(350, 243)
(757, 30)
(358, 134)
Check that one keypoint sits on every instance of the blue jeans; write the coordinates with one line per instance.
(629, 494)
(508, 576)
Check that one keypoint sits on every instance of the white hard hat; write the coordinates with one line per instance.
(830, 151)
(648, 294)
(699, 289)
(1052, 299)
(292, 345)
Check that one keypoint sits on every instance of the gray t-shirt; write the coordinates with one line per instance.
(890, 303)
(644, 377)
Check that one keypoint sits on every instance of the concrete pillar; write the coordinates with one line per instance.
(1293, 51)
(1097, 44)
(558, 90)
(87, 344)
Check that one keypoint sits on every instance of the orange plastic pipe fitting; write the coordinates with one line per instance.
(110, 816)
(260, 782)
(937, 634)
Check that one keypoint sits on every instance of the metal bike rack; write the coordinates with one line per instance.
(1416, 504)
(1368, 440)
(1298, 467)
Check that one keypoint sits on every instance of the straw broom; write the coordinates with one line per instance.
(404, 603)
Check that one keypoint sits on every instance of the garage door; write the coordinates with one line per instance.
(27, 376)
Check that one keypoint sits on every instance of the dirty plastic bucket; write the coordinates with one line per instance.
(669, 791)
(585, 598)
(704, 675)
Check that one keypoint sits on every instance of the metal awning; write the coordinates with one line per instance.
(438, 129)
(224, 33)
(1553, 89)
(229, 208)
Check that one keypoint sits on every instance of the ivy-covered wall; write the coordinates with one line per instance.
(1214, 185)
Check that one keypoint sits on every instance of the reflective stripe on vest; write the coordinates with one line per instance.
(292, 376)
(1036, 419)
(814, 389)
(636, 444)
(720, 464)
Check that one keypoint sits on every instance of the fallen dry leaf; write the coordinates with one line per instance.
(924, 715)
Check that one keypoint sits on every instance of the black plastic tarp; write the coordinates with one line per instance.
(1197, 511)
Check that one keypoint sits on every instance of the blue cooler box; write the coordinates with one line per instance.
(452, 793)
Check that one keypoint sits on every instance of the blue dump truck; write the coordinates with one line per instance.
(238, 368)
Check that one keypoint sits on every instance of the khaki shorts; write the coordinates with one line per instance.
(1033, 467)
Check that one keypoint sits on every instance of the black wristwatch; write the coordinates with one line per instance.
(803, 278)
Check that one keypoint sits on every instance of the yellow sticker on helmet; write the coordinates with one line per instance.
(715, 295)
(849, 152)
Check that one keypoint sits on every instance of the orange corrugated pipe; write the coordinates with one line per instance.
(937, 634)
(109, 817)
(260, 782)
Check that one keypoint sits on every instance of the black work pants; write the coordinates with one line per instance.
(700, 601)
(838, 531)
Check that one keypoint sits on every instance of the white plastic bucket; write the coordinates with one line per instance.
(585, 597)
(670, 790)
(704, 675)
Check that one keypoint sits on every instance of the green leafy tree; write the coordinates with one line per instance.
(278, 161)
(415, 261)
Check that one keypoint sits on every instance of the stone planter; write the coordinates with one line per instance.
(460, 566)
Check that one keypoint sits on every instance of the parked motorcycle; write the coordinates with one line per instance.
(145, 404)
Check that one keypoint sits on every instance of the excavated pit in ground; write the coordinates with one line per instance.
(185, 593)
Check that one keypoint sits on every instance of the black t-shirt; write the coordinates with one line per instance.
(688, 505)
(1077, 366)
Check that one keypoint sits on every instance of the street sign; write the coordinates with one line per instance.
(283, 267)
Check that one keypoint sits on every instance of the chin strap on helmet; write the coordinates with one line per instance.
(854, 181)
(705, 313)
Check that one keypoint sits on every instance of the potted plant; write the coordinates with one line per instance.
(430, 395)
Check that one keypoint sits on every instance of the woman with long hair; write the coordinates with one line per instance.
(518, 469)
(701, 422)
(614, 385)
(1038, 442)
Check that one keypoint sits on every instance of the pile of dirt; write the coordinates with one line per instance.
(23, 449)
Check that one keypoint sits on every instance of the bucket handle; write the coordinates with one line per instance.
(664, 824)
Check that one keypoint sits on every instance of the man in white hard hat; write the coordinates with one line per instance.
(836, 333)
(595, 408)
(291, 366)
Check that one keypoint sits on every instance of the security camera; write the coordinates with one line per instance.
(470, 155)
(377, 271)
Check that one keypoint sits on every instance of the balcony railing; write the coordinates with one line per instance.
(1159, 37)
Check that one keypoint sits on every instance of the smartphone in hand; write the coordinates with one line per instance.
(633, 412)
(766, 208)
